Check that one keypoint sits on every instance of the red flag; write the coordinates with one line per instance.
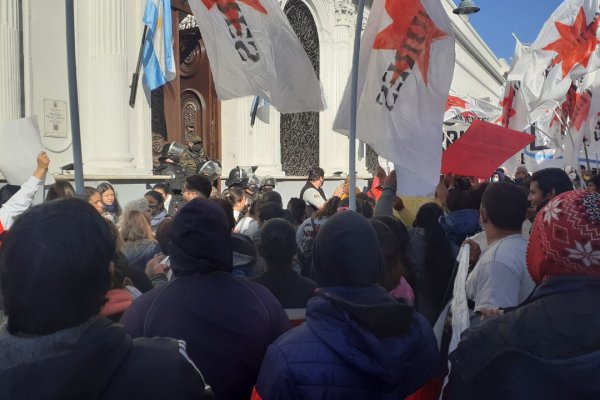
(482, 149)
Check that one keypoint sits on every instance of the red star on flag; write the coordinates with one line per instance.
(582, 109)
(411, 33)
(576, 43)
(454, 101)
(231, 10)
(507, 111)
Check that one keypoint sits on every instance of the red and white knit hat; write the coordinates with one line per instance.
(565, 238)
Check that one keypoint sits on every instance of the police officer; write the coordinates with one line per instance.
(269, 184)
(169, 165)
(193, 156)
(211, 169)
(238, 177)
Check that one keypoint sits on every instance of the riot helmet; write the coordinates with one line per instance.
(211, 169)
(237, 177)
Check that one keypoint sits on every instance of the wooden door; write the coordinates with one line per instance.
(191, 105)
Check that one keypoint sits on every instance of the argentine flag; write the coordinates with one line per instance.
(159, 61)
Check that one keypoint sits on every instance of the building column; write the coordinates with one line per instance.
(105, 87)
(247, 146)
(334, 146)
(10, 55)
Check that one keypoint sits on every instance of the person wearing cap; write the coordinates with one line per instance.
(358, 342)
(193, 155)
(547, 348)
(228, 322)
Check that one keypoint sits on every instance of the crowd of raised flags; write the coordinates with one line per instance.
(404, 79)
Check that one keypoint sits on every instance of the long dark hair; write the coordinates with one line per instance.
(103, 187)
(439, 258)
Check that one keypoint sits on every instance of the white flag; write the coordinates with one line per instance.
(565, 50)
(468, 108)
(253, 51)
(405, 70)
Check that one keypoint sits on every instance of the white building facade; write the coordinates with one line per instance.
(116, 139)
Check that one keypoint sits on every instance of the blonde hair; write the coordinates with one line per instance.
(135, 226)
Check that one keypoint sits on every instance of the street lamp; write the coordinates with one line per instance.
(466, 7)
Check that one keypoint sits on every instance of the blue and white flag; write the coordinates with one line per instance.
(159, 61)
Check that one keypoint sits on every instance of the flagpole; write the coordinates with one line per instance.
(73, 98)
(353, 107)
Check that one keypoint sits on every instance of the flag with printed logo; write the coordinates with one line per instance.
(403, 84)
(565, 50)
(253, 51)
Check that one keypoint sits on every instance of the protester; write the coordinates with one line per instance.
(277, 246)
(196, 186)
(500, 278)
(462, 220)
(167, 196)
(228, 322)
(272, 196)
(297, 207)
(312, 192)
(308, 230)
(593, 184)
(237, 198)
(358, 342)
(522, 176)
(548, 347)
(139, 246)
(248, 224)
(110, 203)
(158, 269)
(434, 256)
(392, 278)
(60, 189)
(54, 345)
(94, 197)
(23, 198)
(545, 184)
(158, 212)
(140, 205)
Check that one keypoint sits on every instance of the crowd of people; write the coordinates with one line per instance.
(486, 291)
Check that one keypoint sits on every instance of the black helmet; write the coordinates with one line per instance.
(254, 182)
(237, 176)
(270, 181)
(210, 169)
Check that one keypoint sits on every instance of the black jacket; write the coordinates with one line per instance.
(548, 348)
(103, 363)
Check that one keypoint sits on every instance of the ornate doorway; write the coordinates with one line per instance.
(188, 105)
(300, 131)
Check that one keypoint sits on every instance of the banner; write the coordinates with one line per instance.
(403, 85)
(253, 51)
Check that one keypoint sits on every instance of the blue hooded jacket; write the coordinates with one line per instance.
(461, 224)
(358, 342)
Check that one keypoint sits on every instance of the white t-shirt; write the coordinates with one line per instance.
(500, 277)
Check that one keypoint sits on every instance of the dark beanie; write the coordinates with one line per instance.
(347, 252)
(200, 239)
